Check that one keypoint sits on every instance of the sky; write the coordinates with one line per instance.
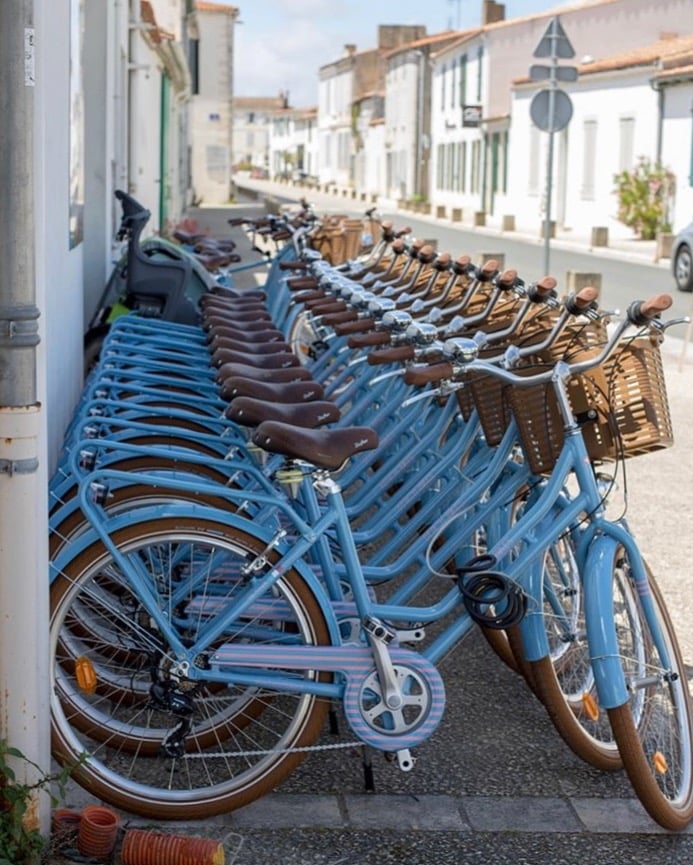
(281, 44)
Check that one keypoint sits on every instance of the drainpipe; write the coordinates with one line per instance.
(23, 555)
(659, 90)
(420, 95)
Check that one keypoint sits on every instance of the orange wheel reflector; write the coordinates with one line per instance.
(660, 762)
(590, 706)
(85, 675)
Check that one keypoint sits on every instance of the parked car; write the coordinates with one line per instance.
(682, 258)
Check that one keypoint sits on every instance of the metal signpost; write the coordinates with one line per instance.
(551, 109)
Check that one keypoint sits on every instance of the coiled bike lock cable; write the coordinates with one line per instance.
(483, 590)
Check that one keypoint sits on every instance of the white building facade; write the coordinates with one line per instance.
(211, 105)
(252, 127)
(293, 144)
(624, 108)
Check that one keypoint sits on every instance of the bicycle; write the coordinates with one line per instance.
(306, 654)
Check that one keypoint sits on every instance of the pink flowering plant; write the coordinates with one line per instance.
(645, 197)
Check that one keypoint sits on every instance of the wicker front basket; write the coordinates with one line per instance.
(621, 406)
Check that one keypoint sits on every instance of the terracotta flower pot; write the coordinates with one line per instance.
(143, 847)
(98, 830)
(65, 825)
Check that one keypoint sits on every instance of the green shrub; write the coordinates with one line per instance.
(19, 841)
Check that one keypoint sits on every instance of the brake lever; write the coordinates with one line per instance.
(426, 394)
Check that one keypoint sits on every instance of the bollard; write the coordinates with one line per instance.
(483, 257)
(600, 236)
(575, 280)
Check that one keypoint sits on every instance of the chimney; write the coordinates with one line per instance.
(491, 12)
(349, 50)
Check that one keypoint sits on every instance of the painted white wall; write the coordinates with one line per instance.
(676, 143)
(211, 108)
(59, 268)
(402, 122)
(144, 176)
(603, 100)
(456, 182)
(334, 126)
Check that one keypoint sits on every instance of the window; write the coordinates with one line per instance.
(439, 166)
(443, 76)
(251, 117)
(450, 167)
(476, 166)
(626, 131)
(479, 60)
(463, 79)
(589, 155)
(504, 188)
(453, 89)
(194, 63)
(463, 167)
(533, 178)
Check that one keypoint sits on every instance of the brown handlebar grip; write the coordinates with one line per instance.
(426, 254)
(488, 270)
(324, 306)
(364, 340)
(420, 375)
(545, 285)
(293, 265)
(652, 307)
(507, 278)
(391, 355)
(338, 317)
(360, 325)
(585, 296)
(301, 283)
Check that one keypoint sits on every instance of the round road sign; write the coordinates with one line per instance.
(551, 117)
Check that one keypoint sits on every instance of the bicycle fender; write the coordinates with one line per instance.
(601, 630)
(173, 510)
(532, 628)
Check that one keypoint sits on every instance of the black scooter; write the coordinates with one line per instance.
(154, 277)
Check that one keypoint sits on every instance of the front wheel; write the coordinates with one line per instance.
(563, 679)
(654, 728)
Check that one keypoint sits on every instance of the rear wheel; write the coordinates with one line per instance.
(142, 736)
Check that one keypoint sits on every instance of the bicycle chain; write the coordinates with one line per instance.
(224, 754)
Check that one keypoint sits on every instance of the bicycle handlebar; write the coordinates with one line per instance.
(463, 352)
